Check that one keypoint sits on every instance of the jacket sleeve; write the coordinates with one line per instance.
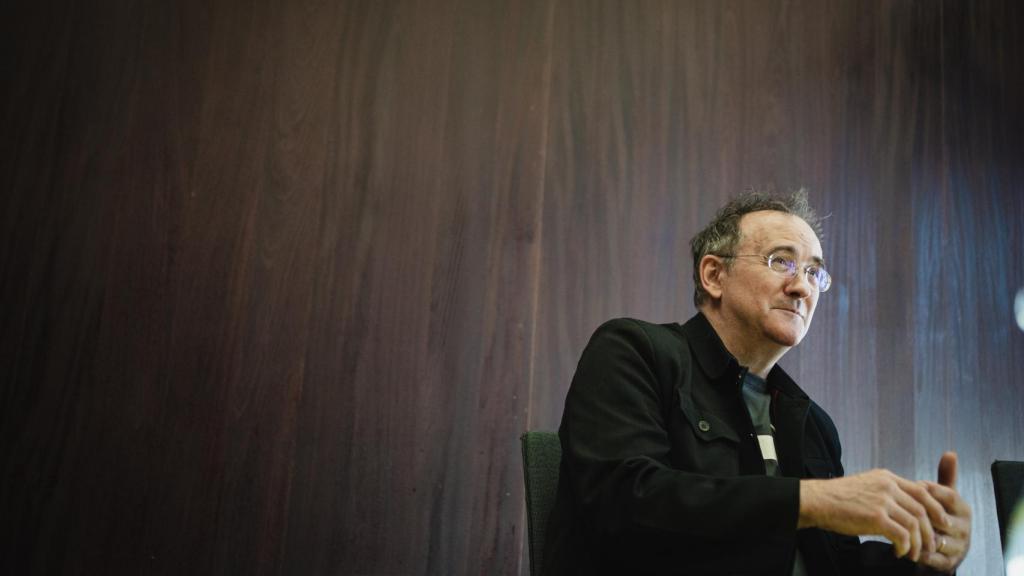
(617, 455)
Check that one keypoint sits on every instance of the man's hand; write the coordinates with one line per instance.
(878, 503)
(955, 540)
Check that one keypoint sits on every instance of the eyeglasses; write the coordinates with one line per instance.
(817, 276)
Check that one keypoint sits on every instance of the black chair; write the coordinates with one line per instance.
(1008, 480)
(542, 454)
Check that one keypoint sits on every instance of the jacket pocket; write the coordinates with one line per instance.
(706, 425)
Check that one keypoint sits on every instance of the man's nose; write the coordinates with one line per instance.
(799, 286)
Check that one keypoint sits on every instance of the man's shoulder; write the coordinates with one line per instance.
(656, 335)
(626, 323)
(659, 344)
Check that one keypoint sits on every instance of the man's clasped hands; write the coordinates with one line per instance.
(927, 522)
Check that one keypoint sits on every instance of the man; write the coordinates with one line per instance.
(688, 450)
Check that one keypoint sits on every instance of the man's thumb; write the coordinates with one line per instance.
(947, 469)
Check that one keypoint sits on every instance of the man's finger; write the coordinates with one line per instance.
(949, 498)
(937, 561)
(935, 510)
(898, 535)
(946, 560)
(912, 526)
(947, 469)
(912, 505)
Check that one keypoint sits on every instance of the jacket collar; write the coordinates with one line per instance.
(719, 364)
(789, 403)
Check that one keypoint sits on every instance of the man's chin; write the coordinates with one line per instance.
(787, 336)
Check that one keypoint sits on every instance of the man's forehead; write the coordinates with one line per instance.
(771, 229)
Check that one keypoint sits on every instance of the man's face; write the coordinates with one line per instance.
(766, 307)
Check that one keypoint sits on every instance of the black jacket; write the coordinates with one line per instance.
(661, 471)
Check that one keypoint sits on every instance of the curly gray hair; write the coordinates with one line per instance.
(722, 234)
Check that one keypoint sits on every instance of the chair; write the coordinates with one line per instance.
(1008, 480)
(542, 455)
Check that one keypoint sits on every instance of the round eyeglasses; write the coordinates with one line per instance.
(817, 276)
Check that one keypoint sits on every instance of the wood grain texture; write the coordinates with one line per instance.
(283, 282)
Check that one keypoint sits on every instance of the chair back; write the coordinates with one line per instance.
(542, 455)
(1008, 480)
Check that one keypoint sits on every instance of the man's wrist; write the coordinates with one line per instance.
(808, 517)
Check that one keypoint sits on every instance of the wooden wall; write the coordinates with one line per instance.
(282, 282)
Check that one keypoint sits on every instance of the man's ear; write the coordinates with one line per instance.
(711, 270)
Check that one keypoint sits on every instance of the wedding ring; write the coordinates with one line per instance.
(942, 544)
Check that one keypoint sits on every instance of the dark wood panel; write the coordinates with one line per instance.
(426, 329)
(284, 282)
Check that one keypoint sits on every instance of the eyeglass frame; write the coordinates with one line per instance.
(790, 271)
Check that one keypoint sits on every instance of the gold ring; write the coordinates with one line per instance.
(942, 544)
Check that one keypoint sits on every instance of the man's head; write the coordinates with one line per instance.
(738, 285)
(722, 234)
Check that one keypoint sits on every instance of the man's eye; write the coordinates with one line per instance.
(782, 264)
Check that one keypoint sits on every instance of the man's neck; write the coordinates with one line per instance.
(759, 358)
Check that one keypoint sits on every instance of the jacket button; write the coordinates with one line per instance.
(703, 425)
